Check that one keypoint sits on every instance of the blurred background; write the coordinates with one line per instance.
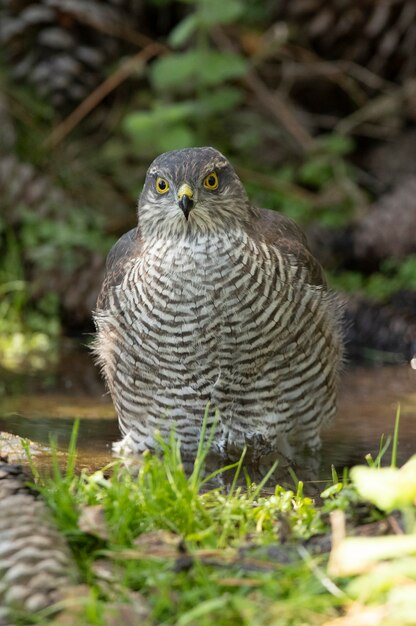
(313, 101)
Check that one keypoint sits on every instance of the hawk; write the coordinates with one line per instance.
(213, 302)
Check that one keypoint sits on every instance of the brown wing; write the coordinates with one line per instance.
(127, 247)
(280, 231)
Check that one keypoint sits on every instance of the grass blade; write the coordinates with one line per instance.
(395, 438)
(72, 450)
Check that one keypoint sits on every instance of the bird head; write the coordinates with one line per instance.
(190, 192)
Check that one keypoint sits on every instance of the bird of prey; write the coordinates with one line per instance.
(211, 301)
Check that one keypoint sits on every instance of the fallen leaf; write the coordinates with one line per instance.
(160, 544)
(72, 603)
(93, 522)
(128, 614)
(387, 487)
(359, 615)
(355, 555)
(104, 569)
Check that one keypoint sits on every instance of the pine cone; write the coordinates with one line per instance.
(389, 229)
(22, 186)
(380, 36)
(62, 47)
(393, 161)
(386, 231)
(35, 562)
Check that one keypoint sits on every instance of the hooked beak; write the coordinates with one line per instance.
(185, 199)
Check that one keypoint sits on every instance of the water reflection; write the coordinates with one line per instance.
(40, 406)
(368, 402)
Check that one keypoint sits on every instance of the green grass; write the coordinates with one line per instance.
(164, 545)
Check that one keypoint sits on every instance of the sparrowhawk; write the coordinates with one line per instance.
(211, 301)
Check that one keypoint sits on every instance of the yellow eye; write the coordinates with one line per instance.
(162, 185)
(211, 181)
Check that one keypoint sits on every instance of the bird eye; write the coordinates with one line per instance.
(162, 185)
(211, 181)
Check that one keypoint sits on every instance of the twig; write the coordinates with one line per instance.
(320, 574)
(394, 525)
(118, 29)
(278, 185)
(374, 111)
(272, 102)
(338, 71)
(106, 87)
(364, 75)
(280, 111)
(109, 23)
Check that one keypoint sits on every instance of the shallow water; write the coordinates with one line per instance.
(368, 402)
(39, 406)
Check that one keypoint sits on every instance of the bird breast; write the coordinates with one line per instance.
(215, 299)
(228, 321)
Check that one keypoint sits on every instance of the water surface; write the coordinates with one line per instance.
(41, 406)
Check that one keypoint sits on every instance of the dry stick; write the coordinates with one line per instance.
(375, 110)
(395, 526)
(277, 185)
(110, 23)
(278, 108)
(364, 75)
(118, 29)
(106, 87)
(270, 101)
(339, 72)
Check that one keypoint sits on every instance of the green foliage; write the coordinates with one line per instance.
(192, 555)
(376, 564)
(325, 163)
(61, 240)
(376, 567)
(164, 498)
(27, 334)
(388, 488)
(320, 188)
(394, 275)
(29, 330)
(402, 272)
(197, 78)
(191, 71)
(167, 123)
(32, 119)
(209, 13)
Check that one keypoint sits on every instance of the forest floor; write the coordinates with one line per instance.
(160, 546)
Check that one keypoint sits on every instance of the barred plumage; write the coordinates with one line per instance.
(225, 306)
